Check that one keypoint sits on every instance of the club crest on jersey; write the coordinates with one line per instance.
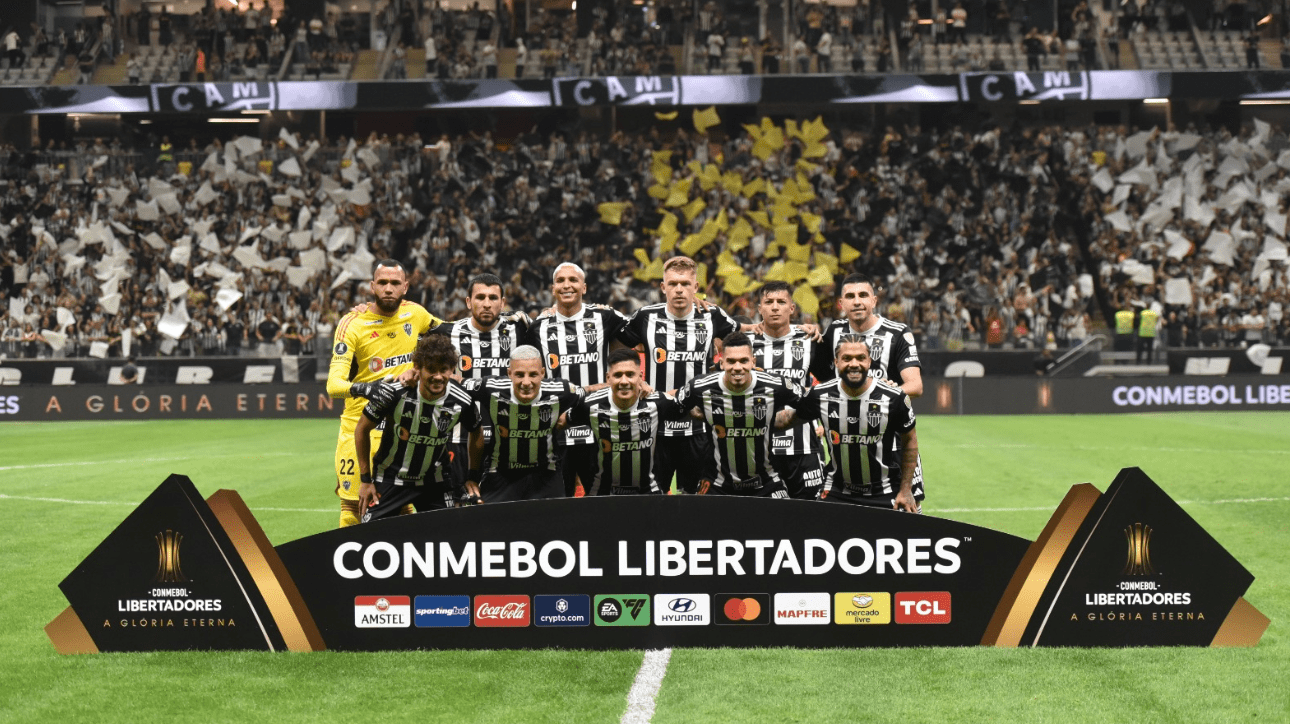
(589, 332)
(642, 422)
(799, 351)
(875, 416)
(504, 341)
(407, 329)
(876, 346)
(701, 333)
(544, 414)
(759, 409)
(443, 420)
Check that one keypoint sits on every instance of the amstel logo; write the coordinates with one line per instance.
(1137, 560)
(168, 568)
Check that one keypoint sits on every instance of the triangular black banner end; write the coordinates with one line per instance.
(169, 578)
(1140, 572)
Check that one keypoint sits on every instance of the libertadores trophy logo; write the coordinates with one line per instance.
(168, 567)
(1137, 561)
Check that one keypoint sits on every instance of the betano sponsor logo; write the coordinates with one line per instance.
(382, 611)
(802, 609)
(682, 609)
(581, 358)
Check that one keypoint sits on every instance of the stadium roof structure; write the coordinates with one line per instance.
(659, 91)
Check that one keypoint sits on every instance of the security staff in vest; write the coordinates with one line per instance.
(1148, 325)
(1124, 326)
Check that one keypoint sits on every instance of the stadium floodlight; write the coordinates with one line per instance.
(232, 120)
(1156, 101)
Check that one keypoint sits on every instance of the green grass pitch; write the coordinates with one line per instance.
(1230, 470)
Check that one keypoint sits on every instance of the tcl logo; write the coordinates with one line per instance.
(9, 405)
(501, 611)
(923, 607)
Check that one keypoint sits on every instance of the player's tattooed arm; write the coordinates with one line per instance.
(904, 499)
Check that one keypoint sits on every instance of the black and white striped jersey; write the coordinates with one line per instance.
(742, 424)
(574, 348)
(790, 357)
(414, 446)
(523, 433)
(677, 349)
(626, 439)
(483, 354)
(891, 347)
(863, 434)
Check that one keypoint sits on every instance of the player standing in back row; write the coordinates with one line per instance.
(368, 347)
(575, 343)
(785, 349)
(679, 341)
(893, 354)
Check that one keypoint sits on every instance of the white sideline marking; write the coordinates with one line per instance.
(640, 700)
(121, 502)
(139, 460)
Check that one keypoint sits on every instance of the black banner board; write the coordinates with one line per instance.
(159, 370)
(1101, 395)
(1127, 568)
(701, 90)
(166, 402)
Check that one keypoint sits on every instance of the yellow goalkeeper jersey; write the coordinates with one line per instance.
(369, 347)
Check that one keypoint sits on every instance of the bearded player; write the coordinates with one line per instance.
(369, 347)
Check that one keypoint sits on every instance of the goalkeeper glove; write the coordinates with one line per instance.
(376, 393)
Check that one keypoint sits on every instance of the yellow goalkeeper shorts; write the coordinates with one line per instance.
(347, 462)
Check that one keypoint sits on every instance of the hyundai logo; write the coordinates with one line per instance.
(682, 605)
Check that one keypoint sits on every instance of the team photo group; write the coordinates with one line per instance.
(679, 398)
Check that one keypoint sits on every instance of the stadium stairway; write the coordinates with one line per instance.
(416, 62)
(1270, 52)
(66, 76)
(114, 74)
(367, 63)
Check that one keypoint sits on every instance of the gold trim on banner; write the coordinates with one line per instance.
(1036, 569)
(280, 593)
(69, 634)
(1244, 626)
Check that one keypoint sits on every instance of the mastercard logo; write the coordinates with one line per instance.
(742, 609)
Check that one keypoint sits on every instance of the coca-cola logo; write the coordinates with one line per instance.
(502, 611)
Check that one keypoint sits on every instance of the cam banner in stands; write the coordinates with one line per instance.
(811, 91)
(1123, 568)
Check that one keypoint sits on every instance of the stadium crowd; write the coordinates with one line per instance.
(1000, 237)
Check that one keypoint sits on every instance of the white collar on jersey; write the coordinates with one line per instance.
(877, 323)
(576, 315)
(791, 329)
(694, 308)
(721, 382)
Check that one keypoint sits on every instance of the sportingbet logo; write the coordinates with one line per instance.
(802, 609)
(502, 611)
(682, 609)
(572, 610)
(628, 609)
(442, 611)
(923, 607)
(383, 611)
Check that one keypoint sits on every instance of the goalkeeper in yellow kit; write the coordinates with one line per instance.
(369, 347)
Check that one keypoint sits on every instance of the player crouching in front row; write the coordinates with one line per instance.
(416, 462)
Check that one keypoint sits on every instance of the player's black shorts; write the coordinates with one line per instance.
(432, 496)
(803, 475)
(578, 462)
(759, 487)
(689, 458)
(505, 487)
(872, 501)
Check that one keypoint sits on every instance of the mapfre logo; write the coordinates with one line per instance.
(382, 611)
(923, 607)
(502, 611)
(802, 609)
